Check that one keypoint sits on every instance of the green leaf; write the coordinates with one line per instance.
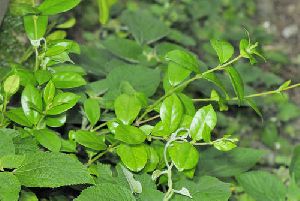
(11, 84)
(92, 111)
(262, 186)
(67, 24)
(48, 139)
(11, 161)
(133, 157)
(105, 192)
(253, 105)
(42, 76)
(295, 165)
(28, 196)
(66, 80)
(49, 92)
(206, 188)
(10, 187)
(62, 102)
(17, 115)
(127, 108)
(130, 134)
(30, 98)
(150, 192)
(203, 123)
(153, 159)
(225, 144)
(144, 27)
(184, 59)
(6, 143)
(184, 155)
(124, 48)
(224, 49)
(228, 164)
(237, 82)
(177, 74)
(90, 140)
(35, 26)
(188, 104)
(211, 77)
(56, 121)
(52, 7)
(52, 170)
(171, 112)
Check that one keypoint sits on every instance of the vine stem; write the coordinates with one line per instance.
(98, 127)
(252, 95)
(183, 84)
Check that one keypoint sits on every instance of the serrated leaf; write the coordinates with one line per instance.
(127, 108)
(133, 157)
(231, 163)
(144, 27)
(48, 139)
(237, 82)
(224, 49)
(171, 112)
(52, 7)
(105, 192)
(177, 74)
(203, 123)
(130, 134)
(206, 188)
(184, 155)
(49, 170)
(9, 187)
(92, 111)
(184, 60)
(90, 140)
(262, 186)
(6, 143)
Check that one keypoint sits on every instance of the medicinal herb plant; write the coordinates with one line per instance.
(136, 134)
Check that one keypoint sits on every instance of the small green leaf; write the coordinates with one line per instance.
(284, 86)
(224, 49)
(133, 157)
(35, 26)
(10, 187)
(130, 134)
(184, 60)
(177, 74)
(56, 121)
(11, 84)
(184, 155)
(52, 7)
(67, 24)
(62, 102)
(66, 80)
(106, 192)
(253, 105)
(103, 11)
(127, 108)
(225, 144)
(31, 100)
(262, 186)
(203, 123)
(92, 111)
(237, 82)
(49, 92)
(188, 104)
(17, 115)
(54, 170)
(42, 76)
(153, 159)
(90, 140)
(171, 112)
(48, 139)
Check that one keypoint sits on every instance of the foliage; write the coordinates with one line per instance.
(125, 125)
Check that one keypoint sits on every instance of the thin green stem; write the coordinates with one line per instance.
(276, 91)
(183, 84)
(109, 149)
(5, 102)
(100, 126)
